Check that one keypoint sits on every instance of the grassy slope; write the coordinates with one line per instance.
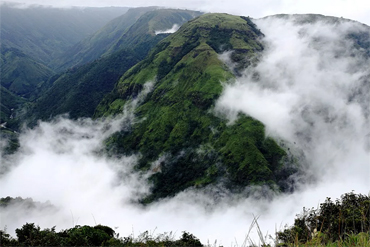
(176, 118)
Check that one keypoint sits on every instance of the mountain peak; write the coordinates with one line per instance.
(176, 122)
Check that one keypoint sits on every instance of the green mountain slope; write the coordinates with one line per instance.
(79, 90)
(145, 28)
(136, 27)
(44, 33)
(9, 102)
(179, 138)
(100, 42)
(20, 73)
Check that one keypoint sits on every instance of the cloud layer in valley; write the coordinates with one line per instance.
(310, 88)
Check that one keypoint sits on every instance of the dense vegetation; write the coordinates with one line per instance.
(99, 235)
(193, 146)
(343, 222)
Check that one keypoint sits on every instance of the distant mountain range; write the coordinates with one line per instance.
(44, 33)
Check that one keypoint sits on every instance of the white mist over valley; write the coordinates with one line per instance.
(310, 87)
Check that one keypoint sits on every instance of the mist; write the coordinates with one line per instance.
(311, 90)
(173, 29)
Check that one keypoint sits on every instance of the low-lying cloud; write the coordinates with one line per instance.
(310, 89)
(173, 29)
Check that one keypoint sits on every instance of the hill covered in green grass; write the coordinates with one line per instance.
(177, 134)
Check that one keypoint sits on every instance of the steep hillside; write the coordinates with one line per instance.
(144, 30)
(79, 90)
(21, 74)
(44, 33)
(131, 29)
(178, 136)
(9, 102)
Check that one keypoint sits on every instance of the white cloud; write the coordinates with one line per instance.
(311, 91)
(173, 29)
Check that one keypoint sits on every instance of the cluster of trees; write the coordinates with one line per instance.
(346, 219)
(99, 235)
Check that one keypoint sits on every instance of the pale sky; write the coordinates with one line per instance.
(358, 10)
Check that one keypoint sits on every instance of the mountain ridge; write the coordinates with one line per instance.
(125, 31)
(33, 30)
(177, 122)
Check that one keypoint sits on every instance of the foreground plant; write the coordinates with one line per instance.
(344, 222)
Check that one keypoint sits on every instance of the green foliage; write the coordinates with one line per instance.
(219, 39)
(87, 235)
(347, 219)
(252, 25)
(99, 235)
(177, 122)
(7, 240)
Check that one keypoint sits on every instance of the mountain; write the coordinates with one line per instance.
(20, 73)
(178, 136)
(150, 24)
(127, 31)
(9, 102)
(98, 43)
(79, 90)
(44, 33)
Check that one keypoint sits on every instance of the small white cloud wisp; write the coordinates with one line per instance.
(173, 29)
(310, 88)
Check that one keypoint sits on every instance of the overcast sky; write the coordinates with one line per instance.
(352, 9)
